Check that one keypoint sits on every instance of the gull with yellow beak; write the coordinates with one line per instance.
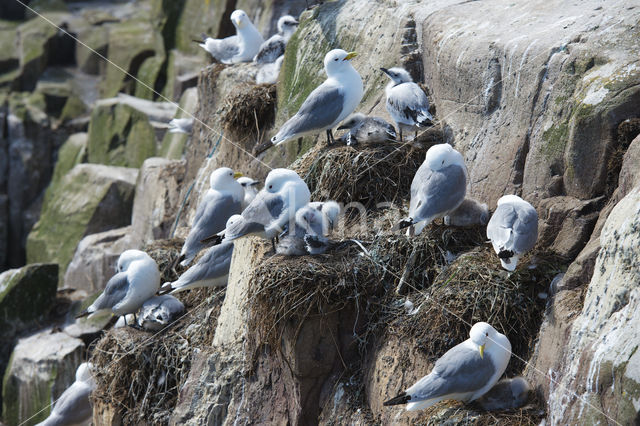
(221, 201)
(328, 104)
(464, 373)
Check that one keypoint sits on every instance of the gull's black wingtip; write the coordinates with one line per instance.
(214, 239)
(83, 314)
(505, 254)
(405, 223)
(403, 398)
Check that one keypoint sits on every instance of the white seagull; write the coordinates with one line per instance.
(274, 46)
(222, 200)
(241, 47)
(211, 270)
(438, 187)
(406, 102)
(73, 406)
(275, 205)
(136, 281)
(464, 373)
(365, 129)
(317, 219)
(181, 125)
(513, 229)
(328, 104)
(268, 73)
(250, 190)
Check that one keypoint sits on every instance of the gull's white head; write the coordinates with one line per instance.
(83, 373)
(337, 61)
(397, 75)
(443, 155)
(510, 199)
(483, 335)
(277, 178)
(247, 182)
(310, 219)
(352, 121)
(287, 25)
(234, 219)
(128, 257)
(240, 19)
(224, 178)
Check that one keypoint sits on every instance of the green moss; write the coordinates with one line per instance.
(72, 152)
(555, 138)
(149, 74)
(73, 108)
(9, 47)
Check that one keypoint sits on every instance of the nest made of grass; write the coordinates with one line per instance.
(475, 288)
(251, 111)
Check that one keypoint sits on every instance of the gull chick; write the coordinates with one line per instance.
(513, 230)
(223, 199)
(438, 187)
(274, 46)
(268, 73)
(328, 104)
(365, 129)
(241, 47)
(317, 219)
(136, 281)
(464, 373)
(406, 102)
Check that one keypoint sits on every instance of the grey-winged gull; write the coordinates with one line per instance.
(469, 213)
(274, 207)
(211, 270)
(507, 394)
(365, 129)
(513, 229)
(268, 73)
(438, 187)
(250, 190)
(181, 125)
(73, 406)
(464, 373)
(328, 104)
(223, 199)
(159, 311)
(241, 47)
(406, 102)
(136, 281)
(274, 46)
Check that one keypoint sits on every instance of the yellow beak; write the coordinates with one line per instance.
(236, 175)
(481, 350)
(350, 55)
(237, 22)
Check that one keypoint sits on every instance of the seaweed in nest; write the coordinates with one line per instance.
(475, 288)
(368, 174)
(251, 111)
(139, 373)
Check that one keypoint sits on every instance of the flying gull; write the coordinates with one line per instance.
(250, 190)
(275, 205)
(438, 187)
(464, 373)
(73, 406)
(211, 270)
(367, 129)
(328, 104)
(274, 46)
(513, 230)
(406, 102)
(268, 73)
(222, 200)
(181, 125)
(136, 281)
(241, 47)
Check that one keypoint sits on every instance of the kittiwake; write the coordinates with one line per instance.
(222, 200)
(513, 230)
(365, 129)
(274, 46)
(406, 102)
(464, 373)
(314, 222)
(438, 187)
(74, 406)
(507, 394)
(181, 125)
(249, 188)
(268, 73)
(328, 104)
(241, 47)
(136, 281)
(211, 270)
(159, 311)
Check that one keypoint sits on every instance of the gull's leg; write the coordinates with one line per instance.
(400, 131)
(330, 139)
(273, 244)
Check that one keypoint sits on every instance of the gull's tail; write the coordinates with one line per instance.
(166, 288)
(403, 398)
(84, 313)
(505, 254)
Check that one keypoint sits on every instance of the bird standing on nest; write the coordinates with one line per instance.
(328, 104)
(406, 102)
(274, 46)
(464, 373)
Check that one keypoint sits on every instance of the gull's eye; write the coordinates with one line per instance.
(270, 186)
(335, 59)
(486, 334)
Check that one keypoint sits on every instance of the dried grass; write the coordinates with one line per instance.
(251, 111)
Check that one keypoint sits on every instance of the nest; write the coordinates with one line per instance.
(369, 174)
(475, 288)
(251, 111)
(166, 254)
